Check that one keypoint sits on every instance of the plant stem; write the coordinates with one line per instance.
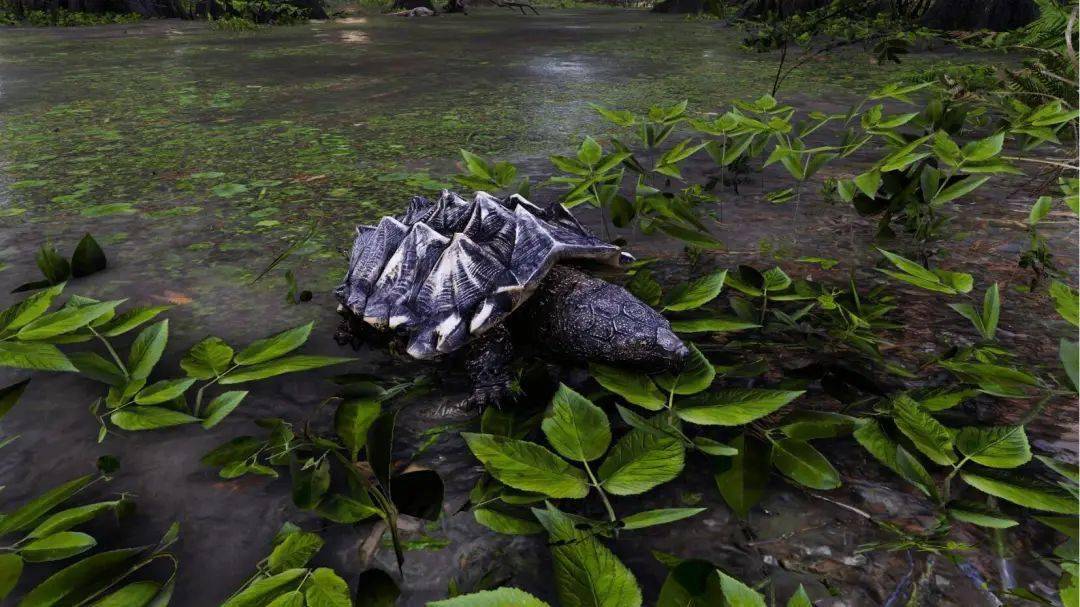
(112, 352)
(603, 496)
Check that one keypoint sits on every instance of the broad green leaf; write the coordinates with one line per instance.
(96, 367)
(1040, 210)
(807, 425)
(586, 572)
(738, 594)
(66, 519)
(65, 320)
(501, 522)
(872, 437)
(222, 405)
(711, 447)
(272, 347)
(590, 152)
(1066, 301)
(475, 165)
(326, 589)
(33, 356)
(32, 511)
(1028, 495)
(261, 591)
(527, 466)
(695, 294)
(636, 388)
(991, 310)
(742, 478)
(1069, 471)
(930, 285)
(130, 320)
(711, 325)
(352, 420)
(776, 279)
(346, 510)
(800, 598)
(929, 436)
(802, 463)
(984, 149)
(29, 309)
(147, 348)
(909, 267)
(163, 391)
(11, 566)
(1069, 354)
(869, 183)
(280, 366)
(995, 447)
(87, 257)
(136, 594)
(578, 429)
(294, 551)
(640, 461)
(149, 418)
(207, 359)
(10, 395)
(500, 597)
(691, 583)
(980, 515)
(960, 188)
(88, 576)
(57, 546)
(310, 482)
(697, 374)
(663, 516)
(294, 598)
(733, 406)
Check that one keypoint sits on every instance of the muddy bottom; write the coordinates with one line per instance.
(196, 157)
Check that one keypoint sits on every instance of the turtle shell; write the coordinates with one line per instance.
(447, 270)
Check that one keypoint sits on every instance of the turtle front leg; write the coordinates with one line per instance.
(488, 364)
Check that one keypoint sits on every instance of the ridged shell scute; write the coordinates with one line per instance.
(447, 270)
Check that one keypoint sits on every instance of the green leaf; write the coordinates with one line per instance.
(980, 515)
(800, 598)
(38, 507)
(802, 463)
(737, 594)
(586, 572)
(711, 447)
(54, 267)
(590, 152)
(501, 522)
(960, 188)
(500, 597)
(578, 429)
(261, 591)
(1069, 471)
(86, 577)
(65, 320)
(11, 394)
(309, 482)
(147, 348)
(66, 519)
(222, 405)
(149, 418)
(1069, 353)
(280, 366)
(29, 309)
(57, 546)
(272, 347)
(87, 258)
(929, 436)
(207, 359)
(711, 325)
(327, 589)
(650, 518)
(695, 294)
(136, 594)
(636, 388)
(352, 420)
(11, 566)
(742, 478)
(1028, 495)
(869, 182)
(163, 391)
(997, 447)
(294, 551)
(96, 367)
(1066, 302)
(33, 356)
(807, 425)
(527, 466)
(869, 434)
(691, 583)
(640, 461)
(130, 319)
(915, 274)
(733, 406)
(984, 149)
(1040, 210)
(476, 165)
(697, 374)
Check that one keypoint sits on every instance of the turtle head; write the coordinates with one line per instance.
(673, 350)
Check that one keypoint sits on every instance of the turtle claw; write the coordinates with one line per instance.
(483, 397)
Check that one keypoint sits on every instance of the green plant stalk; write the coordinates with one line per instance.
(112, 352)
(600, 490)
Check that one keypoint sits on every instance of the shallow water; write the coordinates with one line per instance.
(197, 156)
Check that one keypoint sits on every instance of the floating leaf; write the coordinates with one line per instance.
(578, 429)
(996, 447)
(1028, 495)
(149, 418)
(527, 466)
(733, 406)
(222, 405)
(277, 345)
(207, 359)
(650, 518)
(743, 477)
(88, 258)
(57, 546)
(280, 366)
(802, 463)
(295, 550)
(640, 461)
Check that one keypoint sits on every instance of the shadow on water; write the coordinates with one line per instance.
(197, 156)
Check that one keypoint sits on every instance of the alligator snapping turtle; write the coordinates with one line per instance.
(474, 277)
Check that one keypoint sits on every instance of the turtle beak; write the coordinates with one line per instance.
(676, 350)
